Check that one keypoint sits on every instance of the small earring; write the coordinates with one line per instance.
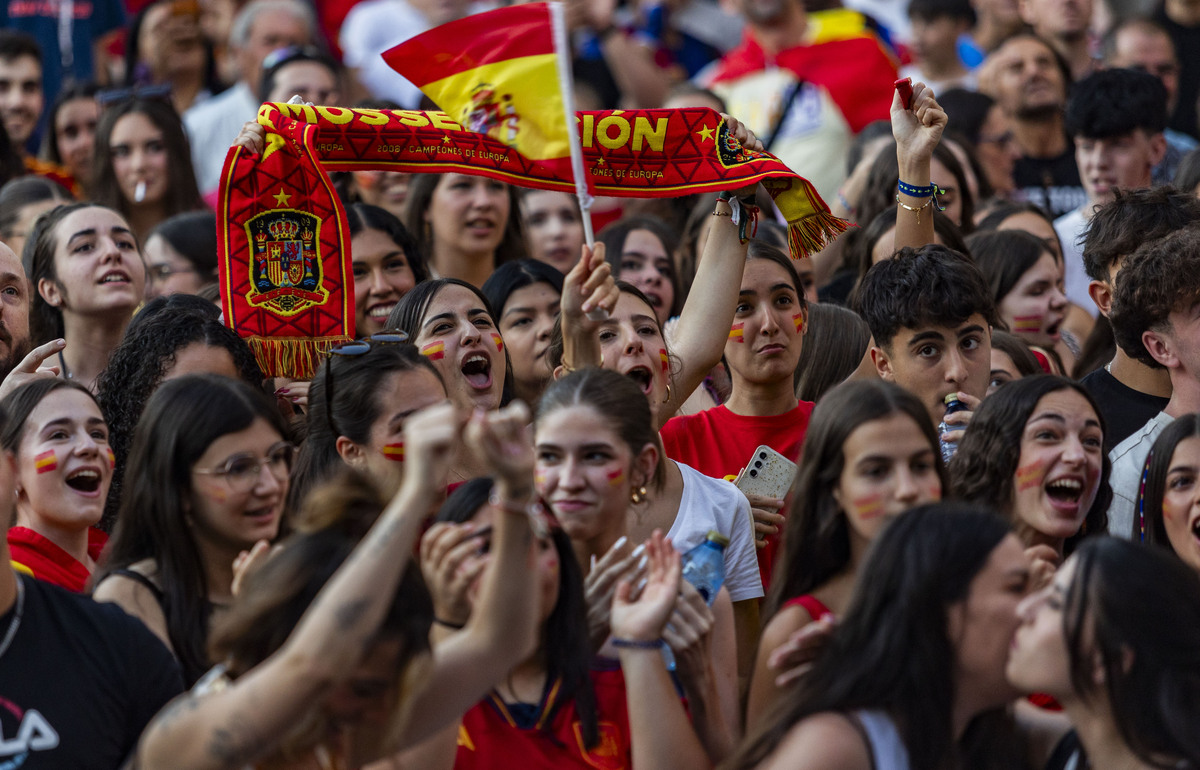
(638, 495)
(667, 400)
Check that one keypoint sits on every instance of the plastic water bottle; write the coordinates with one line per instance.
(949, 447)
(704, 568)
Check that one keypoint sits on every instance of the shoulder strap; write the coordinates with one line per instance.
(138, 577)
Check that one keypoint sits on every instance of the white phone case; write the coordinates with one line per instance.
(768, 473)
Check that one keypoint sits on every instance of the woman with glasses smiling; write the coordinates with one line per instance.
(181, 255)
(207, 478)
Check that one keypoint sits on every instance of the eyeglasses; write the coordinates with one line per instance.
(163, 272)
(242, 472)
(158, 92)
(292, 53)
(352, 350)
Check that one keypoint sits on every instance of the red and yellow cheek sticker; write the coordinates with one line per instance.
(615, 478)
(869, 506)
(46, 461)
(1030, 476)
(1027, 324)
(499, 341)
(798, 320)
(735, 332)
(434, 351)
(394, 452)
(112, 458)
(664, 359)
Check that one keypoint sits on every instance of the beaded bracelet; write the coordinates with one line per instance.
(637, 644)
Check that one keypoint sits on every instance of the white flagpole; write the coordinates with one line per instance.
(562, 49)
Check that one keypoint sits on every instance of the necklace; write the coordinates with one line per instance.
(15, 623)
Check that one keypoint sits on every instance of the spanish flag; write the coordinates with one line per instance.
(496, 73)
(434, 350)
(394, 452)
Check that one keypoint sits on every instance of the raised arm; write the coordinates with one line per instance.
(502, 631)
(917, 132)
(234, 726)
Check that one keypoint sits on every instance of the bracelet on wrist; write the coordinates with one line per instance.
(530, 508)
(448, 624)
(743, 213)
(914, 209)
(930, 191)
(637, 644)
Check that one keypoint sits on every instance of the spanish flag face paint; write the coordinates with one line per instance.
(112, 458)
(664, 359)
(394, 452)
(616, 478)
(735, 333)
(435, 351)
(798, 320)
(869, 507)
(1027, 324)
(1029, 476)
(46, 461)
(499, 341)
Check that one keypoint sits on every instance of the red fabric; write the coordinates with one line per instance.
(46, 561)
(857, 72)
(488, 739)
(718, 443)
(330, 15)
(815, 608)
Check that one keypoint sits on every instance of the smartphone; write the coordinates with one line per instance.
(904, 88)
(768, 473)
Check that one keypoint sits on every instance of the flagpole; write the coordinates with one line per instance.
(562, 49)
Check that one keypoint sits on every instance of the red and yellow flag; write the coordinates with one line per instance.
(495, 73)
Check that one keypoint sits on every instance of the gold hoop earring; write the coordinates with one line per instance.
(638, 495)
(667, 400)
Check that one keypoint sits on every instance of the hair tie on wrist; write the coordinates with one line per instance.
(638, 644)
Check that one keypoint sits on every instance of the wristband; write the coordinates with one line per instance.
(931, 191)
(637, 644)
(744, 214)
(531, 509)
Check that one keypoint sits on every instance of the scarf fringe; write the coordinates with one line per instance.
(812, 233)
(296, 358)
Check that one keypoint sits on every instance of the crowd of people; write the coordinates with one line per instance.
(950, 462)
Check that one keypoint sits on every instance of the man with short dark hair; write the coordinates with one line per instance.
(931, 316)
(1156, 320)
(937, 26)
(1065, 24)
(1140, 44)
(1116, 119)
(22, 101)
(1128, 392)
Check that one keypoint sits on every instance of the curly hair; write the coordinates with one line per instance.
(1158, 279)
(1134, 217)
(985, 466)
(138, 365)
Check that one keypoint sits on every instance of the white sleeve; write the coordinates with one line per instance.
(741, 558)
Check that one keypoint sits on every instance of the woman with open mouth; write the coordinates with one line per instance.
(1169, 501)
(207, 478)
(1035, 451)
(87, 275)
(452, 323)
(386, 264)
(1123, 667)
(1026, 279)
(57, 439)
(466, 225)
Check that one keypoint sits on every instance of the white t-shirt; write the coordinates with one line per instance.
(715, 504)
(212, 126)
(371, 28)
(1127, 458)
(1070, 228)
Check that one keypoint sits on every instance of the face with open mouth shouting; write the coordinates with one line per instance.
(1181, 502)
(99, 268)
(63, 463)
(1035, 306)
(459, 336)
(631, 343)
(1058, 473)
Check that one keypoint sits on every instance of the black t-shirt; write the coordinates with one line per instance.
(1187, 51)
(78, 683)
(1052, 183)
(1124, 409)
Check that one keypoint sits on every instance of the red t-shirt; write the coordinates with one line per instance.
(718, 443)
(38, 556)
(489, 737)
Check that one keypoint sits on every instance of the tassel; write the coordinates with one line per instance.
(296, 358)
(813, 233)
